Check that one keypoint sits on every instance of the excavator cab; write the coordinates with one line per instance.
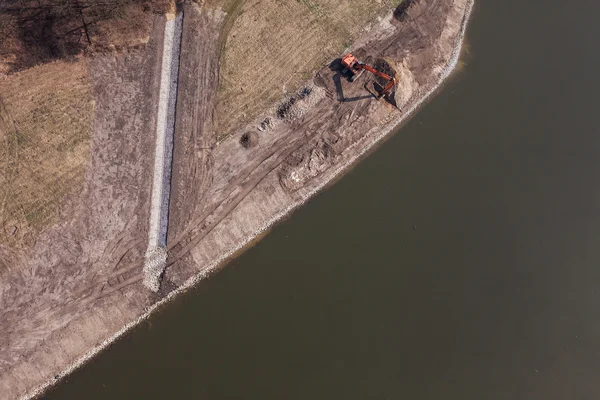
(350, 64)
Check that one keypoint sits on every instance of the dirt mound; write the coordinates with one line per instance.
(406, 84)
(249, 140)
(401, 12)
(387, 67)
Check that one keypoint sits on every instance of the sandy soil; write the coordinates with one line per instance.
(83, 285)
(49, 308)
(199, 77)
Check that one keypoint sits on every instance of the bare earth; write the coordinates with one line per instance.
(82, 280)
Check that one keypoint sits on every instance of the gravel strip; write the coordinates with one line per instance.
(165, 126)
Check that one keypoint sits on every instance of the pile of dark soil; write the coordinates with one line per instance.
(385, 67)
(249, 140)
(400, 11)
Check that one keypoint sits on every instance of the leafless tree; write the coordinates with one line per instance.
(51, 29)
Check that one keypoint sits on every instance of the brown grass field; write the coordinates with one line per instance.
(46, 117)
(274, 45)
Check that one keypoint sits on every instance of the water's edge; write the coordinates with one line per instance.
(385, 131)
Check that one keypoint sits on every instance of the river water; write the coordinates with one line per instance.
(460, 260)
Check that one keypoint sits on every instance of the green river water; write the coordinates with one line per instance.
(460, 260)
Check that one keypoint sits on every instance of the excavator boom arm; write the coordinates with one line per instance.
(374, 71)
(392, 81)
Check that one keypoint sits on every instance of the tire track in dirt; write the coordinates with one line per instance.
(194, 136)
(238, 189)
(248, 182)
(201, 226)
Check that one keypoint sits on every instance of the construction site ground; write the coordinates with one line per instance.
(236, 169)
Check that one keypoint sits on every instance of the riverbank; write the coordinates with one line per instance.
(235, 209)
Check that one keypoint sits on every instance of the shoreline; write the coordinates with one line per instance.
(332, 175)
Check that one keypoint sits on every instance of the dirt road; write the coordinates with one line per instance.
(83, 283)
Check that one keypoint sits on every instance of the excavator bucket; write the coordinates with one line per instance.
(377, 91)
(374, 88)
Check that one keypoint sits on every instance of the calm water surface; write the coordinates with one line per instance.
(494, 295)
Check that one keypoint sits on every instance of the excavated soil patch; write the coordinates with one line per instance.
(400, 13)
(249, 140)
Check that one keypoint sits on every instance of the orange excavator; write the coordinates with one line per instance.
(355, 68)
